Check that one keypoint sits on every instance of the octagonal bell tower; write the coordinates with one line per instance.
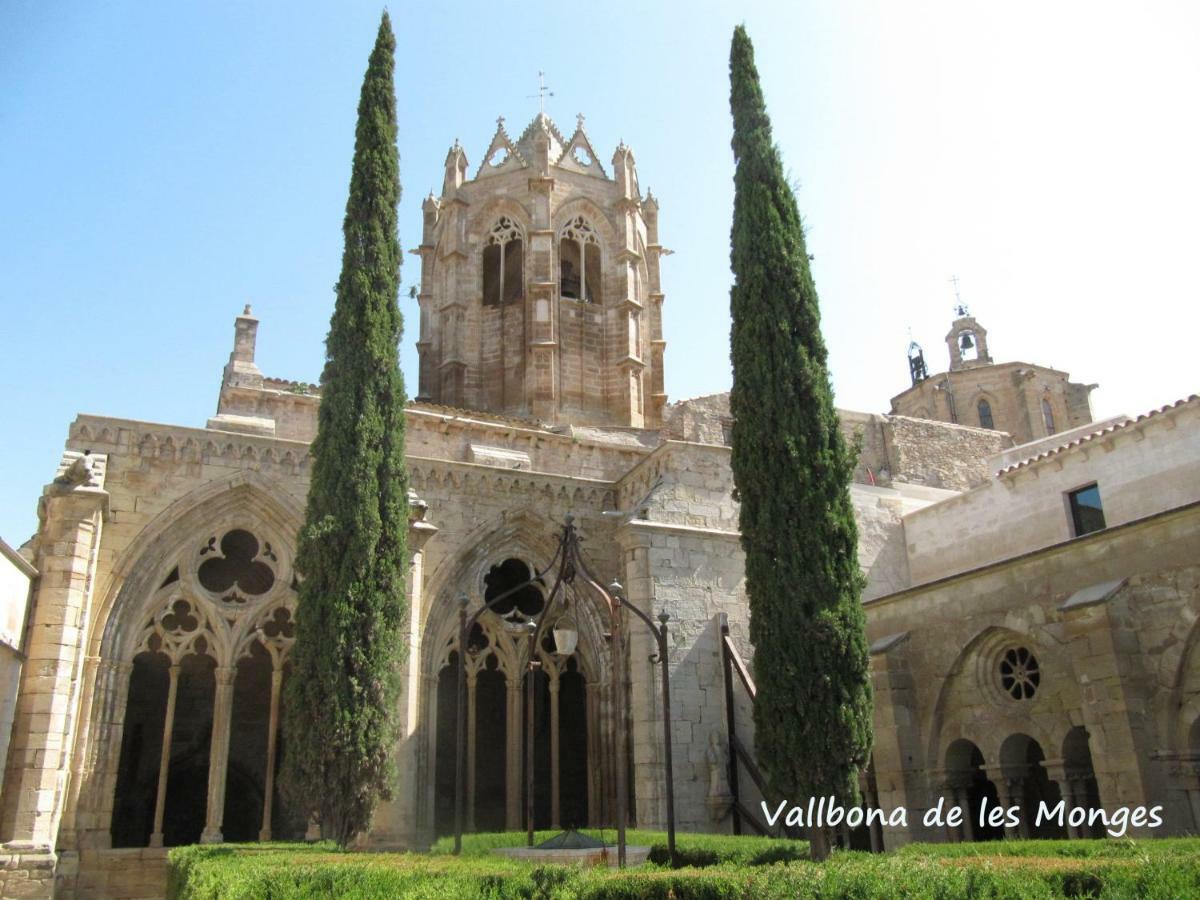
(540, 294)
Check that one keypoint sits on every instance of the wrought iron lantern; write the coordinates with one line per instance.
(566, 634)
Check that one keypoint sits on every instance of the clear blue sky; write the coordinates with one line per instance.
(162, 164)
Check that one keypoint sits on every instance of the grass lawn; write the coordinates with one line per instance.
(715, 866)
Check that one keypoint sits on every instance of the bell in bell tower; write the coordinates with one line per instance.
(540, 294)
(967, 341)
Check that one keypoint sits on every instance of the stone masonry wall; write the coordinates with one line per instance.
(1110, 619)
(27, 875)
(892, 448)
(937, 454)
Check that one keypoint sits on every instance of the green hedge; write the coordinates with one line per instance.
(692, 849)
(1110, 870)
(1100, 848)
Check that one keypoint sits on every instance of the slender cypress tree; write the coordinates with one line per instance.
(792, 469)
(342, 694)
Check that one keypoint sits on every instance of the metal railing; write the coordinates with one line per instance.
(732, 664)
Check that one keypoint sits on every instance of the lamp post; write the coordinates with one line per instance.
(571, 565)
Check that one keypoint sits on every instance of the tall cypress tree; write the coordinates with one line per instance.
(792, 469)
(352, 555)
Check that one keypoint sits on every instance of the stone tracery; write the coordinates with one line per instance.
(568, 693)
(225, 602)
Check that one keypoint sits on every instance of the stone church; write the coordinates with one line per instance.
(1032, 574)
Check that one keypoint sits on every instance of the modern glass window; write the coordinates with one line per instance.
(1087, 513)
(985, 415)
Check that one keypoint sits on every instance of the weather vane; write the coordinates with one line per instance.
(542, 93)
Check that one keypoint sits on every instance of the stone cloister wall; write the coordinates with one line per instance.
(1110, 620)
(156, 490)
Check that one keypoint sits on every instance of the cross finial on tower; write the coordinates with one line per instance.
(542, 93)
(960, 308)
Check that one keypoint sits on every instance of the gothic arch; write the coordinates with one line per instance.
(482, 219)
(607, 230)
(1181, 711)
(155, 604)
(503, 651)
(245, 497)
(981, 397)
(524, 535)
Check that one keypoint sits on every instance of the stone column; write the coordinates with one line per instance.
(871, 801)
(218, 755)
(516, 745)
(1011, 791)
(594, 783)
(84, 755)
(85, 823)
(952, 786)
(1069, 789)
(958, 788)
(164, 759)
(72, 512)
(95, 828)
(264, 833)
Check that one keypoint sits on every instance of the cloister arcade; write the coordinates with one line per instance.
(208, 663)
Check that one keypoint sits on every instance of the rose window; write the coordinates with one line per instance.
(1019, 673)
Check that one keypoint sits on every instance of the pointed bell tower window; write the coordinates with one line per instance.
(985, 415)
(503, 264)
(579, 262)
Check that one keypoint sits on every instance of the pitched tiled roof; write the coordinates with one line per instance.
(1192, 400)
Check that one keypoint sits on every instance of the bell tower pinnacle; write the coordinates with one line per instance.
(540, 291)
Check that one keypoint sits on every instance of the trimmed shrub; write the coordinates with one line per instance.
(692, 849)
(1031, 870)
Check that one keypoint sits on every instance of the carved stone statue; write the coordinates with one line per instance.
(720, 798)
(81, 473)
